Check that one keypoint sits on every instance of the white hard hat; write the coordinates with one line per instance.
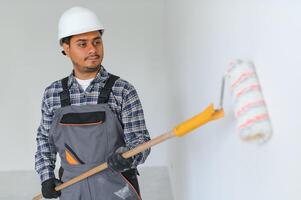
(78, 20)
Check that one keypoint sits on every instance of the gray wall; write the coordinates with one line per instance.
(31, 60)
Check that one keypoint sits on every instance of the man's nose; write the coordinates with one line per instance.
(91, 48)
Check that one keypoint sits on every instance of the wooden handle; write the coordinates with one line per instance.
(180, 130)
(38, 197)
(104, 166)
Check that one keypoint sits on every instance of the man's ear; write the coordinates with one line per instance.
(66, 49)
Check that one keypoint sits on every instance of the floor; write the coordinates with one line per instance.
(24, 185)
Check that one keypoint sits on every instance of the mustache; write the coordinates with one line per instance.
(95, 55)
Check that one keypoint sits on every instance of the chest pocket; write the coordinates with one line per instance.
(83, 119)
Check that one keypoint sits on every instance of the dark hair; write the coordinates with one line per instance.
(67, 39)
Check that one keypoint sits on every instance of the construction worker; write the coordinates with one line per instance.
(89, 117)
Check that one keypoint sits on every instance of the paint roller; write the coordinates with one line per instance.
(250, 111)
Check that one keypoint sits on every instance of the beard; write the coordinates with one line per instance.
(86, 69)
(91, 68)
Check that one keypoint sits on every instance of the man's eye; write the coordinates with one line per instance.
(96, 42)
(81, 44)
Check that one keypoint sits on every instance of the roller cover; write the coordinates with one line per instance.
(253, 122)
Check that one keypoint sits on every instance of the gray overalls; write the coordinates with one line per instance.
(85, 136)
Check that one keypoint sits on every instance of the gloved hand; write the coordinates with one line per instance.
(118, 163)
(48, 190)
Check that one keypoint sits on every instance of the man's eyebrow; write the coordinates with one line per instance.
(81, 40)
(84, 40)
(98, 37)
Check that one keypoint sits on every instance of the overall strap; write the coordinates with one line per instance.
(64, 95)
(104, 94)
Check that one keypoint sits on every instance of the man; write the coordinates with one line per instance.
(89, 117)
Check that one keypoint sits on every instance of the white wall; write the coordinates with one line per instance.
(202, 38)
(31, 60)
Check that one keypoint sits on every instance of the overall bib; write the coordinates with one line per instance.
(85, 136)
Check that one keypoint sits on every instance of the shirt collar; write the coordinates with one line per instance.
(101, 77)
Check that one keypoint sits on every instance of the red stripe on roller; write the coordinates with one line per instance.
(231, 67)
(253, 120)
(243, 77)
(246, 89)
(248, 106)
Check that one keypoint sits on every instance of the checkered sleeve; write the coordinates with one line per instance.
(45, 156)
(134, 124)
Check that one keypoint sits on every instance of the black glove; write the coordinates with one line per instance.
(48, 190)
(118, 163)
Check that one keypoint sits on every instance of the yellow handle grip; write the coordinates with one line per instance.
(207, 115)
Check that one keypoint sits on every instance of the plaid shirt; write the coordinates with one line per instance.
(123, 101)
